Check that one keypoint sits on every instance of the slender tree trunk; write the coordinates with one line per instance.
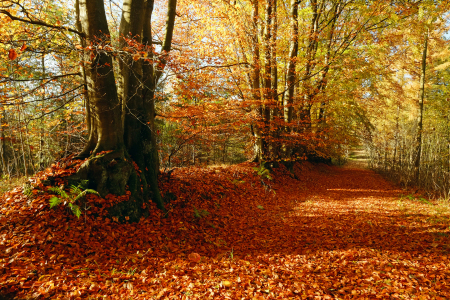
(336, 11)
(22, 144)
(291, 75)
(274, 150)
(267, 94)
(420, 109)
(151, 76)
(41, 131)
(273, 58)
(30, 152)
(90, 122)
(256, 85)
(2, 144)
(397, 130)
(310, 55)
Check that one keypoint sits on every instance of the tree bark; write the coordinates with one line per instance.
(420, 109)
(122, 115)
(2, 144)
(323, 80)
(288, 102)
(256, 85)
(101, 86)
(262, 130)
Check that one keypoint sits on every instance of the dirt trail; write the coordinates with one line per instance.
(350, 234)
(333, 233)
(358, 159)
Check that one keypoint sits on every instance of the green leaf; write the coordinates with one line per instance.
(89, 191)
(76, 210)
(59, 191)
(260, 207)
(84, 193)
(75, 190)
(54, 201)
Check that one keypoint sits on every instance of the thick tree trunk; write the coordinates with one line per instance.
(122, 115)
(102, 92)
(110, 172)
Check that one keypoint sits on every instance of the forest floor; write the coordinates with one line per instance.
(332, 233)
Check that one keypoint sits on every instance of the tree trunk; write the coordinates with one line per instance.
(291, 77)
(22, 145)
(2, 144)
(122, 115)
(323, 80)
(90, 122)
(261, 130)
(274, 145)
(101, 86)
(256, 85)
(420, 109)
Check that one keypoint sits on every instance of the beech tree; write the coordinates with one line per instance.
(122, 115)
(120, 84)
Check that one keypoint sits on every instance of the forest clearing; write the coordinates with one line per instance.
(333, 233)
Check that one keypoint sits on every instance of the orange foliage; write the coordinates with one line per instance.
(331, 233)
(12, 55)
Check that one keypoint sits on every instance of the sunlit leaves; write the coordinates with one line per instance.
(335, 232)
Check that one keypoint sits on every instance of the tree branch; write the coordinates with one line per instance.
(41, 23)
(6, 79)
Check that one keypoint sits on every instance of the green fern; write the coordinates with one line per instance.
(69, 199)
(75, 209)
(84, 193)
(54, 201)
(75, 190)
(59, 191)
(263, 172)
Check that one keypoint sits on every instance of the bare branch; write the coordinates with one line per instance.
(9, 79)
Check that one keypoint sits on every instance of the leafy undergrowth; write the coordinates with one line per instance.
(334, 233)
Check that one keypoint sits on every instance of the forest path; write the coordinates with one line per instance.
(350, 233)
(333, 233)
(358, 158)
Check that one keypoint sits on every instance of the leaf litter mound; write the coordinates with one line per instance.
(321, 232)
